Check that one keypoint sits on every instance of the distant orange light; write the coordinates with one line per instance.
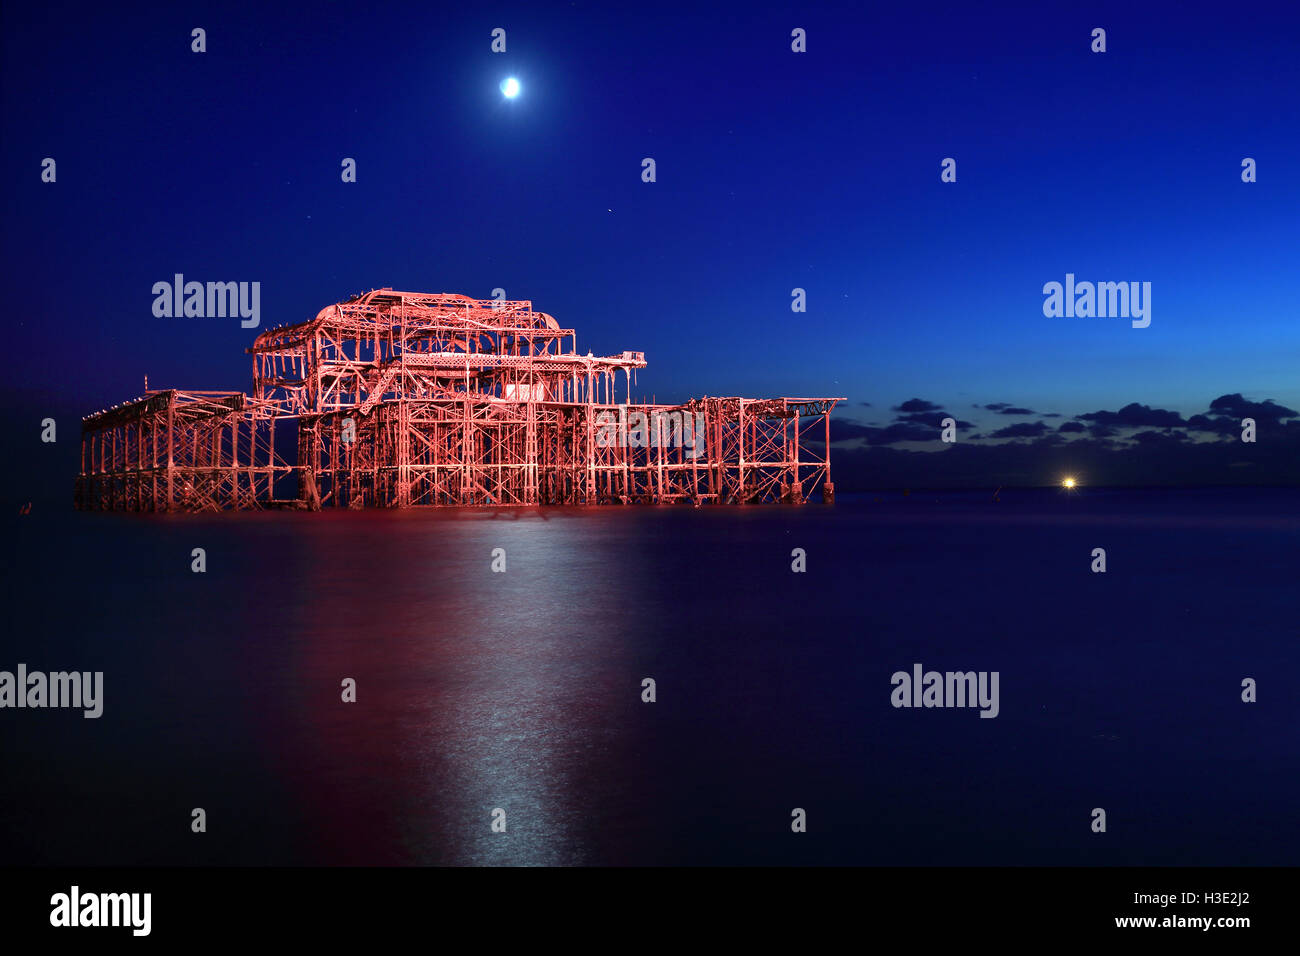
(1068, 483)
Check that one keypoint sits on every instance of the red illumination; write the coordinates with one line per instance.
(406, 399)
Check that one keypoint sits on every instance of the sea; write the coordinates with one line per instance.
(651, 686)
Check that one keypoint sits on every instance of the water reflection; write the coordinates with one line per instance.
(476, 690)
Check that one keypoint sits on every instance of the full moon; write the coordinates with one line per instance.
(510, 88)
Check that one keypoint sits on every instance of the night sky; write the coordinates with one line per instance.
(775, 170)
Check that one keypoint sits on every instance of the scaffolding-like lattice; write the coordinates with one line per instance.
(405, 399)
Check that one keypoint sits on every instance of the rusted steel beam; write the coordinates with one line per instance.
(408, 399)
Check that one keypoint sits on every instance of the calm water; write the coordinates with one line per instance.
(522, 690)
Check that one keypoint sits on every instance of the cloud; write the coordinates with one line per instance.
(905, 431)
(917, 428)
(1091, 445)
(1134, 415)
(932, 420)
(1006, 408)
(917, 405)
(1238, 407)
(1166, 460)
(842, 430)
(1022, 430)
(918, 411)
(1154, 437)
(1227, 411)
(921, 421)
(1217, 426)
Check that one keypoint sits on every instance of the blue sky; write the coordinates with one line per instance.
(775, 170)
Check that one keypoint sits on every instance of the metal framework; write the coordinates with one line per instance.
(404, 399)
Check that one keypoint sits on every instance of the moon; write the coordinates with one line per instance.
(510, 87)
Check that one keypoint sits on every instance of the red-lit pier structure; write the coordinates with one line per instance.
(404, 399)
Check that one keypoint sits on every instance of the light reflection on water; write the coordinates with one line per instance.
(521, 690)
(477, 690)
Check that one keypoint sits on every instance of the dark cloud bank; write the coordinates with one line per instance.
(1133, 446)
